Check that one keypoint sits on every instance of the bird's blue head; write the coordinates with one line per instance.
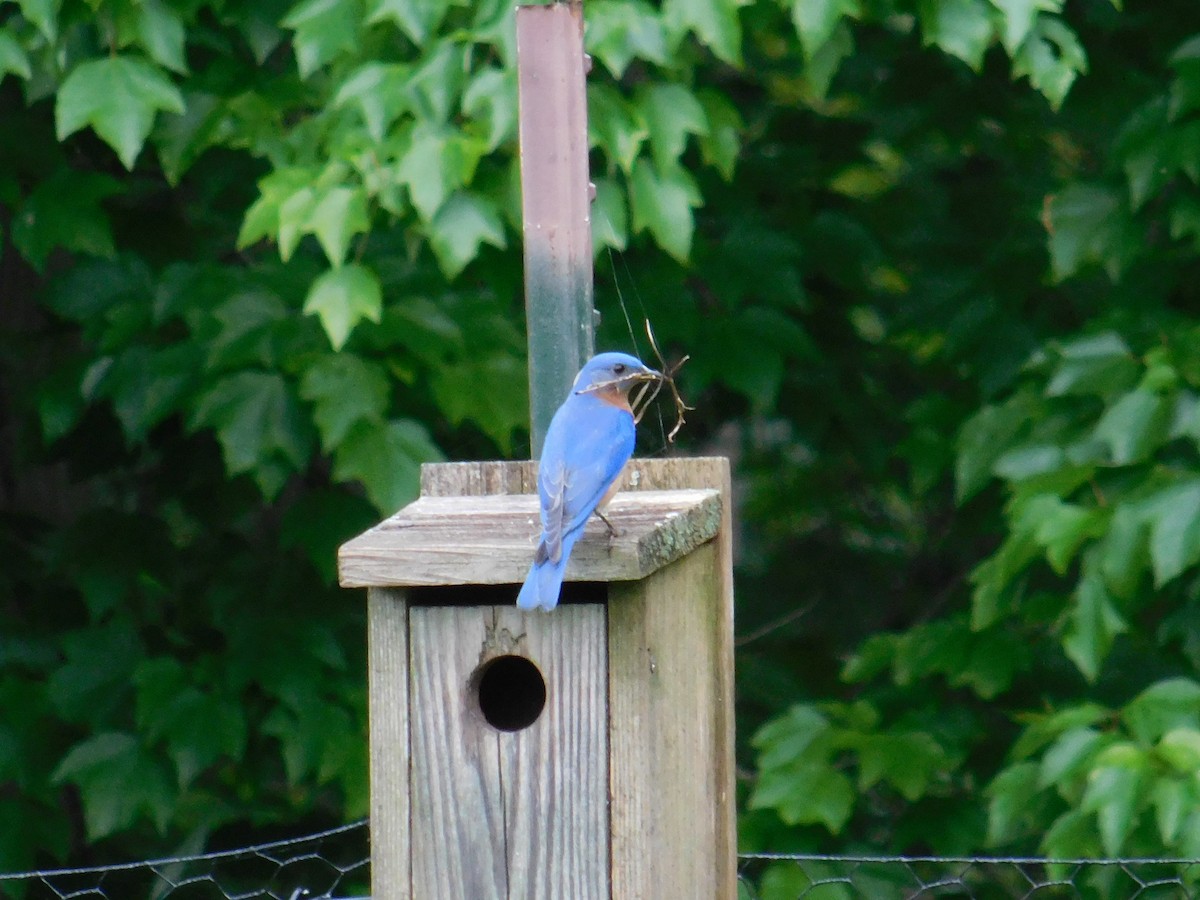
(613, 371)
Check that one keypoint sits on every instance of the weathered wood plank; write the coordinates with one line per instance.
(675, 628)
(475, 479)
(445, 540)
(671, 701)
(387, 679)
(499, 814)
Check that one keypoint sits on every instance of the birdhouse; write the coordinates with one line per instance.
(585, 752)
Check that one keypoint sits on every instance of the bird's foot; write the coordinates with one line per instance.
(612, 532)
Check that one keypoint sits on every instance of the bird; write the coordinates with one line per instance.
(588, 443)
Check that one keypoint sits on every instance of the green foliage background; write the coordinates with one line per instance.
(936, 265)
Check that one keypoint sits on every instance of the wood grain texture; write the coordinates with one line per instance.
(472, 812)
(671, 715)
(387, 679)
(509, 814)
(447, 540)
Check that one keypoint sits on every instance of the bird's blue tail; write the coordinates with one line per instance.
(544, 581)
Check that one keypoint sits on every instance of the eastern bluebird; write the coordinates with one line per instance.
(587, 445)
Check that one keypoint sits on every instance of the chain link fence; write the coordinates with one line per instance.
(335, 865)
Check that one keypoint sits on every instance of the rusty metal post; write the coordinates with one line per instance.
(556, 203)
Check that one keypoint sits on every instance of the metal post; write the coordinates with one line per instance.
(556, 203)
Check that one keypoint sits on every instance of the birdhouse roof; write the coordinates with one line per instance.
(490, 539)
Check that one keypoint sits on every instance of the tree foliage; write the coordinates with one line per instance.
(933, 262)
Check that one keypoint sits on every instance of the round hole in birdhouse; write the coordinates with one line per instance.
(512, 692)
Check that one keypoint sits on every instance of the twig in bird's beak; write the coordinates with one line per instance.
(667, 377)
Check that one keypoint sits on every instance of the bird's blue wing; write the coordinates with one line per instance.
(587, 445)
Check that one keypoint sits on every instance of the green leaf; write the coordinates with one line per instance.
(339, 214)
(983, 439)
(181, 140)
(491, 99)
(610, 217)
(344, 389)
(146, 386)
(1063, 527)
(1150, 157)
(1043, 728)
(250, 326)
(1163, 707)
(1087, 224)
(1093, 365)
(785, 739)
(721, 142)
(500, 409)
(437, 163)
(1124, 552)
(1093, 625)
(259, 426)
(817, 20)
(1052, 58)
(377, 89)
(807, 794)
(909, 761)
(1180, 749)
(1029, 461)
(118, 96)
(199, 727)
(620, 31)
(1135, 426)
(615, 125)
(1019, 16)
(1069, 756)
(386, 459)
(819, 72)
(437, 83)
(1173, 800)
(671, 112)
(65, 211)
(262, 219)
(993, 660)
(13, 58)
(160, 32)
(462, 224)
(313, 740)
(662, 204)
(962, 28)
(342, 298)
(44, 16)
(1113, 794)
(419, 19)
(93, 679)
(324, 30)
(117, 783)
(1072, 835)
(1175, 531)
(1009, 797)
(714, 22)
(992, 597)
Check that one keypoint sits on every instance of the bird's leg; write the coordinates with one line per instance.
(612, 532)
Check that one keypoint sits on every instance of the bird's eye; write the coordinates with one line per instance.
(619, 369)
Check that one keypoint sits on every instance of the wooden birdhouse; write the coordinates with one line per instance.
(585, 752)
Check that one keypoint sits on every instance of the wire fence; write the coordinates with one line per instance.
(775, 876)
(329, 864)
(335, 865)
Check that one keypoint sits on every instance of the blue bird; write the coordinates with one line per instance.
(589, 441)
